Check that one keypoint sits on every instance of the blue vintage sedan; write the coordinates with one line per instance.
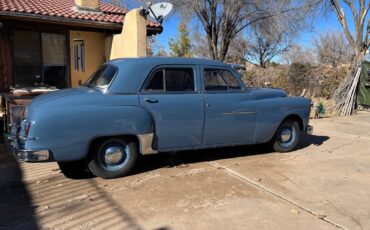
(139, 106)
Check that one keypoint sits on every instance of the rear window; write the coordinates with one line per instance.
(102, 77)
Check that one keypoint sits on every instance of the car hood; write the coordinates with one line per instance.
(264, 93)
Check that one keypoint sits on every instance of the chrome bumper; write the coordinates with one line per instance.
(21, 154)
(309, 130)
(28, 155)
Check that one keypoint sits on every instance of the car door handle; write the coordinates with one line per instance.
(151, 100)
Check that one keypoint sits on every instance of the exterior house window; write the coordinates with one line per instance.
(39, 59)
(54, 58)
(27, 58)
(79, 55)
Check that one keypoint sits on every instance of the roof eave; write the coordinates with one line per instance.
(116, 27)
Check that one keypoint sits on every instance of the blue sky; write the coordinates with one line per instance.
(328, 23)
(321, 24)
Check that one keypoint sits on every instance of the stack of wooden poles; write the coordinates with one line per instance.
(347, 106)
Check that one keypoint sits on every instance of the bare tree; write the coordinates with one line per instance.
(223, 20)
(358, 40)
(200, 45)
(297, 54)
(262, 48)
(237, 51)
(332, 48)
(150, 41)
(154, 48)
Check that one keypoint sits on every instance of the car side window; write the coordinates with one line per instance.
(220, 80)
(213, 81)
(179, 80)
(156, 83)
(232, 82)
(172, 80)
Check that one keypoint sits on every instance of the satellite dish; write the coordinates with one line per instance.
(160, 10)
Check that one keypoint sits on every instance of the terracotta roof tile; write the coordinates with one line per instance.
(63, 8)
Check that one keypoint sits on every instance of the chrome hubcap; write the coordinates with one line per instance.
(113, 155)
(286, 135)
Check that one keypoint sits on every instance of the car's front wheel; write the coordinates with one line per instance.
(287, 136)
(113, 157)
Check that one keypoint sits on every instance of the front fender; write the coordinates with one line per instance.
(272, 112)
(67, 132)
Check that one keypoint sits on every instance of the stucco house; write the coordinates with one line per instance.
(56, 43)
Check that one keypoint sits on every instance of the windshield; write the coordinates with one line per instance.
(102, 77)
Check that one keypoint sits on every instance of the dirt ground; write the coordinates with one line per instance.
(323, 185)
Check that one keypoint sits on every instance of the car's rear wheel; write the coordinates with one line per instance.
(75, 169)
(113, 157)
(287, 136)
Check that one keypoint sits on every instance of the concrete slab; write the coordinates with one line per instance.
(323, 185)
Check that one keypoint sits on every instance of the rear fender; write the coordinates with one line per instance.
(68, 132)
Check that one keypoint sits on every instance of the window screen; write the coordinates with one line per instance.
(213, 81)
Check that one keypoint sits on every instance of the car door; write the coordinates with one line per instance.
(230, 111)
(171, 96)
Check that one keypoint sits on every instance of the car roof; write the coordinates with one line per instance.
(134, 71)
(169, 61)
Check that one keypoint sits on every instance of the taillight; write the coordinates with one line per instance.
(27, 127)
(24, 113)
